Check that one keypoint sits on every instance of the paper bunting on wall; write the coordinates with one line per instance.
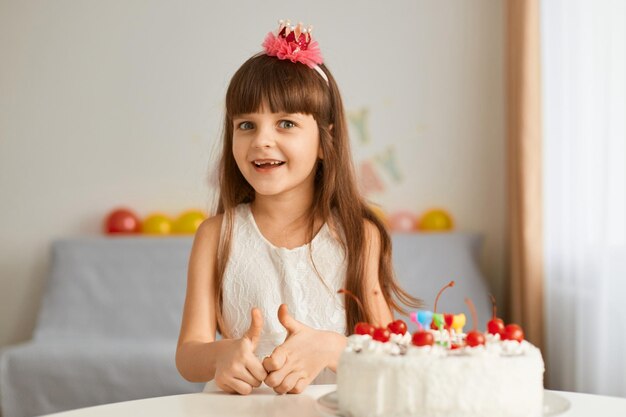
(377, 164)
(359, 120)
(369, 180)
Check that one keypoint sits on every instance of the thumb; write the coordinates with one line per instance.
(256, 326)
(292, 325)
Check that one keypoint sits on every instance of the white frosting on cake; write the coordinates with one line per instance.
(397, 379)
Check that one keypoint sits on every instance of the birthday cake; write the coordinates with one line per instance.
(440, 373)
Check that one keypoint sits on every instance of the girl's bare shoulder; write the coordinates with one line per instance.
(206, 244)
(208, 232)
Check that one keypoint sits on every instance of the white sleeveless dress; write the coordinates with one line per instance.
(259, 274)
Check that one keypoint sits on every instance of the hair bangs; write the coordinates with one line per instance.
(284, 86)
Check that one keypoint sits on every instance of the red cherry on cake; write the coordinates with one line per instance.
(381, 334)
(364, 328)
(513, 332)
(495, 326)
(475, 338)
(423, 338)
(397, 327)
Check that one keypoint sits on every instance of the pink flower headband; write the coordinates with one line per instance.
(296, 45)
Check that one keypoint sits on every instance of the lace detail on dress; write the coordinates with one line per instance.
(259, 274)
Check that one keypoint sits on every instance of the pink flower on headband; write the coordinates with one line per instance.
(293, 44)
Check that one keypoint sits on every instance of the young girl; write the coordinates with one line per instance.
(291, 230)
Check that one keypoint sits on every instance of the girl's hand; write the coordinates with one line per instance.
(302, 356)
(238, 370)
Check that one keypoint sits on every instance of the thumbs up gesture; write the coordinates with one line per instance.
(302, 356)
(238, 370)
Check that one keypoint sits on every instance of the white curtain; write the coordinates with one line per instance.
(584, 108)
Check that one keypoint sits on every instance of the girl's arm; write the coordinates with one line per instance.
(374, 297)
(196, 351)
(199, 357)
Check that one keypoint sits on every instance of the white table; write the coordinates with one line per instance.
(263, 402)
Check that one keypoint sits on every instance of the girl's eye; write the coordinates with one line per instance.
(287, 124)
(245, 125)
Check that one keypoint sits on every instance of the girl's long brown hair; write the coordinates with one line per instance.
(295, 88)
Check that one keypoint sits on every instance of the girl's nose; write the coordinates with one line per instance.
(263, 139)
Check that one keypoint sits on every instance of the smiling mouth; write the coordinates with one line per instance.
(267, 163)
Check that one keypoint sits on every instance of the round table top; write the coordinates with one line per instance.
(263, 402)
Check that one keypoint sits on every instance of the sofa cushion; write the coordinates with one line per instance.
(129, 288)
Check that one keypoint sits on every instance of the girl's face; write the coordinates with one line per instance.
(277, 152)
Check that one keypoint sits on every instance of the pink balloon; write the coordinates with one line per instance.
(403, 221)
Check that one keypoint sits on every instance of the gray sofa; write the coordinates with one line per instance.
(111, 310)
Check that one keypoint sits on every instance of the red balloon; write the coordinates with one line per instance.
(122, 221)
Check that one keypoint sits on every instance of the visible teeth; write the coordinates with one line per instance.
(267, 163)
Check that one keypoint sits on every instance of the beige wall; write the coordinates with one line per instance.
(116, 102)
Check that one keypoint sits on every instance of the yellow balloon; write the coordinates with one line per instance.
(188, 222)
(157, 224)
(436, 220)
